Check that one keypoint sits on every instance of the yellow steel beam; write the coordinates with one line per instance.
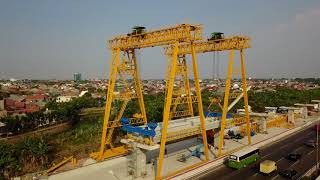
(198, 94)
(138, 88)
(166, 114)
(132, 121)
(112, 80)
(185, 77)
(184, 100)
(231, 43)
(225, 103)
(112, 152)
(111, 130)
(180, 114)
(160, 37)
(245, 95)
(64, 161)
(182, 93)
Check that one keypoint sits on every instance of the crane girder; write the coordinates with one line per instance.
(231, 43)
(160, 37)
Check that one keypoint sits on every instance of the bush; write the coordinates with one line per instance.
(33, 153)
(9, 164)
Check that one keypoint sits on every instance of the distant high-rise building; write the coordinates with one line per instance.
(77, 77)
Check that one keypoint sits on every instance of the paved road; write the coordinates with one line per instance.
(276, 152)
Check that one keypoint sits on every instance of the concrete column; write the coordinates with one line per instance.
(263, 125)
(137, 163)
(304, 112)
(291, 116)
(1, 105)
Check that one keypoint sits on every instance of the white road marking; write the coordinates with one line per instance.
(299, 139)
(280, 159)
(298, 148)
(294, 163)
(266, 155)
(275, 177)
(310, 152)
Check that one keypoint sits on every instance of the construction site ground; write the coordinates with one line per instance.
(116, 168)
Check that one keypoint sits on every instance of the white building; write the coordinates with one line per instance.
(61, 99)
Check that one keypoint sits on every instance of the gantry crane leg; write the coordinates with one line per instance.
(167, 108)
(138, 87)
(245, 95)
(225, 103)
(166, 113)
(200, 108)
(111, 84)
(127, 68)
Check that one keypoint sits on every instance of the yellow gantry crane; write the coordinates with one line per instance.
(181, 40)
(225, 44)
(124, 69)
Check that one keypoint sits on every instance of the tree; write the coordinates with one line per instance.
(9, 164)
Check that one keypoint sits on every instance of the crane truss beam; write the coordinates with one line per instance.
(160, 37)
(231, 43)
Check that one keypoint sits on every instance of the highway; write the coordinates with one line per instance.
(276, 152)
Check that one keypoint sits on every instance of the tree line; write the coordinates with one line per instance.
(57, 113)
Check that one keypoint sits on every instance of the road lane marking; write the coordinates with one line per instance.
(267, 155)
(310, 152)
(294, 163)
(299, 139)
(275, 177)
(280, 159)
(298, 148)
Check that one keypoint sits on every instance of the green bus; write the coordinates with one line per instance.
(243, 158)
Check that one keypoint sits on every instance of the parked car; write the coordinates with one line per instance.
(288, 173)
(311, 143)
(233, 135)
(293, 156)
(238, 136)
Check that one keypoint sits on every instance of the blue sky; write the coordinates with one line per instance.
(44, 39)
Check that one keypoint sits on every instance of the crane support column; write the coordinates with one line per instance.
(111, 83)
(138, 87)
(182, 95)
(245, 95)
(198, 94)
(225, 103)
(166, 113)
